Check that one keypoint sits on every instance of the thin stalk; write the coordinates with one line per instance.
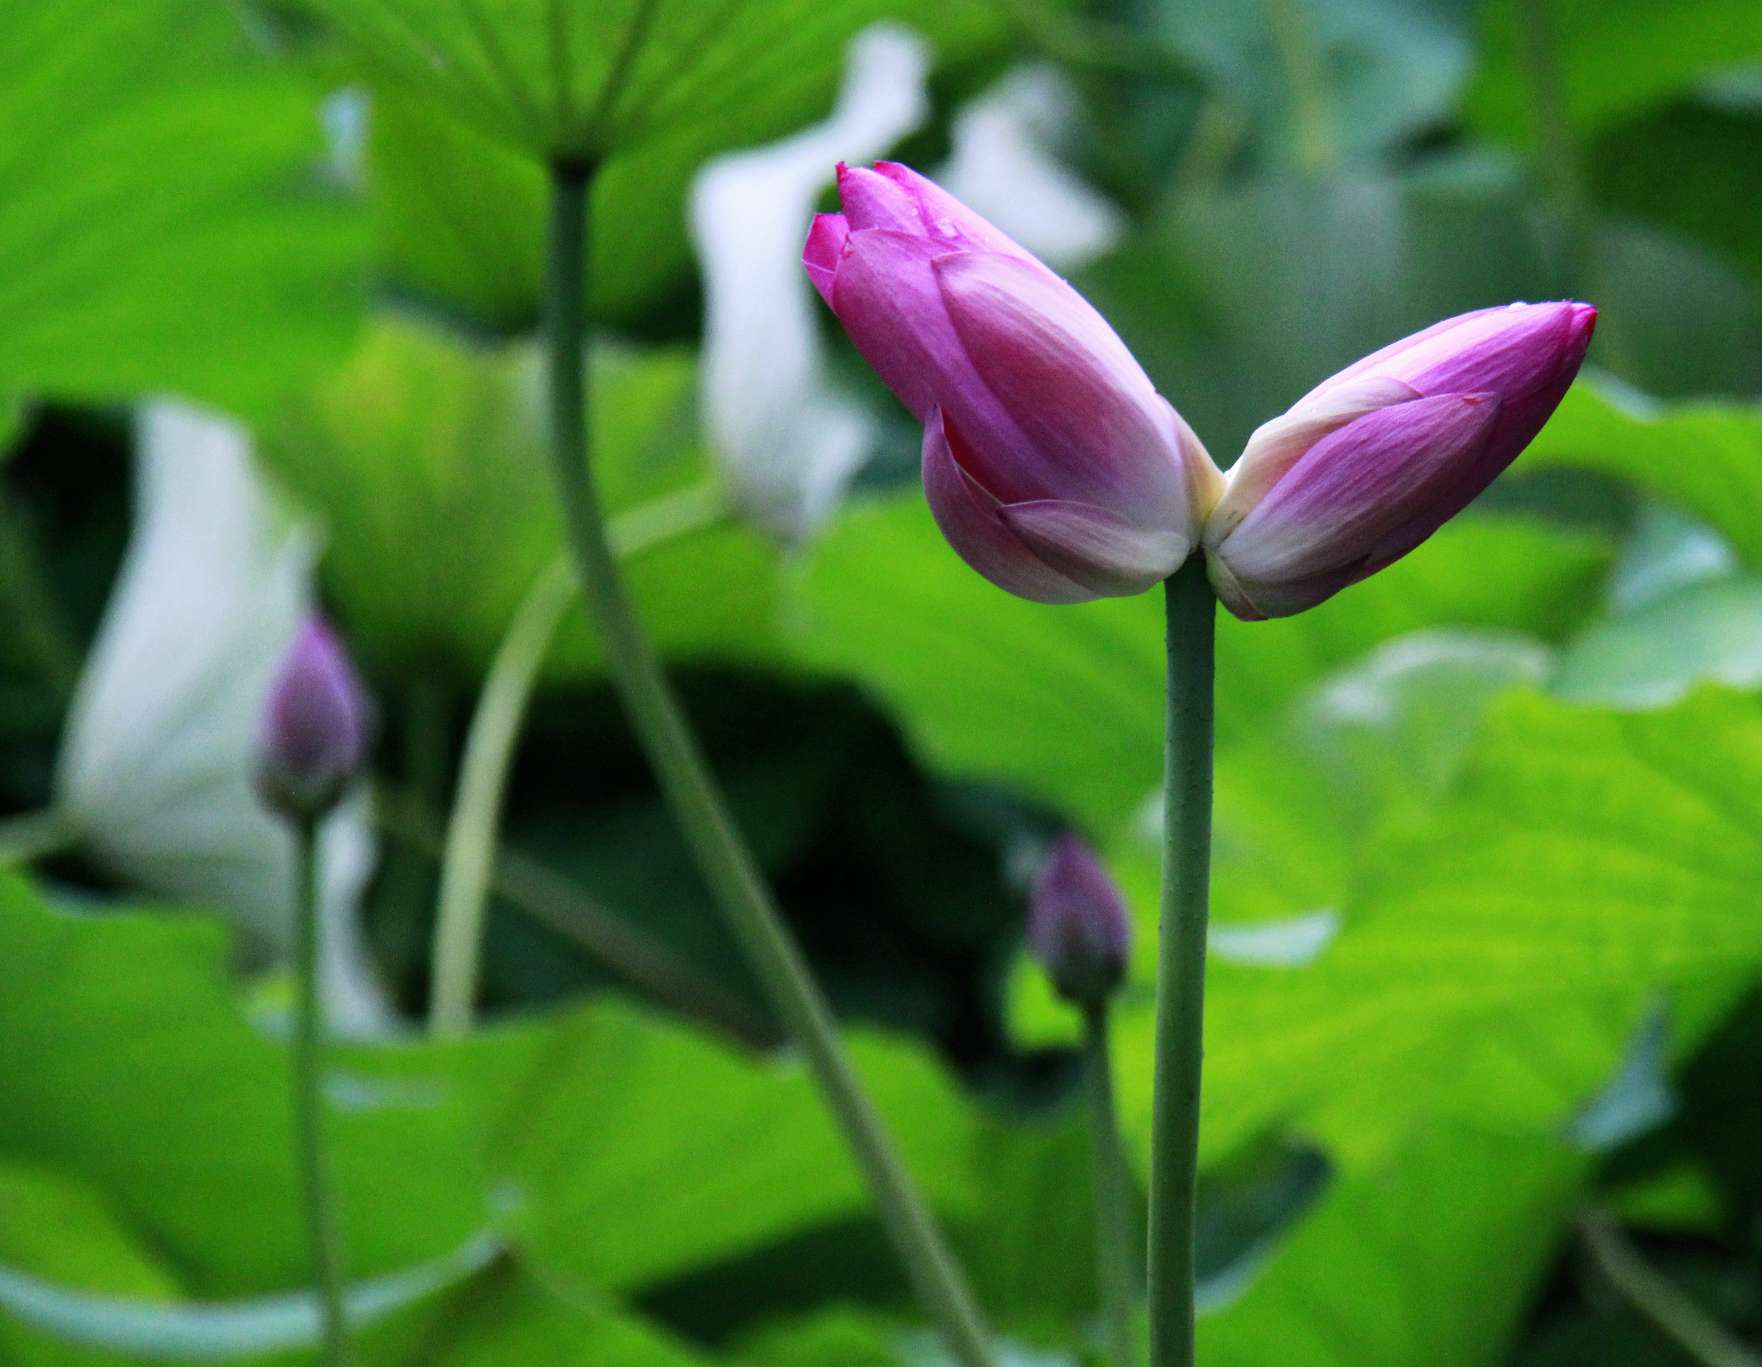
(473, 829)
(1180, 993)
(1697, 1333)
(316, 1197)
(720, 854)
(1115, 1260)
(1557, 149)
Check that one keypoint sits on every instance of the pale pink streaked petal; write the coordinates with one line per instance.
(968, 518)
(1101, 550)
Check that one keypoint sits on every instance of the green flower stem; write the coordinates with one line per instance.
(1114, 1237)
(473, 829)
(1180, 992)
(721, 855)
(315, 1193)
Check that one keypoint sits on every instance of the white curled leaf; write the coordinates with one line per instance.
(155, 765)
(1005, 165)
(789, 441)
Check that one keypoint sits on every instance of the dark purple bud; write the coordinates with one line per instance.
(314, 737)
(1078, 927)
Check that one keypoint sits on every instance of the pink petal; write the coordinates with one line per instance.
(874, 201)
(1098, 431)
(1099, 549)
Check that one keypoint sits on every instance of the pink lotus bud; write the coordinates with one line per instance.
(1078, 927)
(1051, 463)
(1371, 462)
(314, 736)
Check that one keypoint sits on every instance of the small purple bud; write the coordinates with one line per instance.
(315, 723)
(1078, 927)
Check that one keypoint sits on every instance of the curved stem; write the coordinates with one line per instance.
(315, 1193)
(1113, 1208)
(1180, 992)
(1687, 1325)
(716, 845)
(473, 828)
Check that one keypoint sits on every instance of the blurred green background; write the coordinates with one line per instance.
(1483, 1082)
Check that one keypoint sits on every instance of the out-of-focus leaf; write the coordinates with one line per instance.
(512, 1317)
(426, 462)
(562, 78)
(57, 1228)
(194, 1126)
(1715, 204)
(155, 769)
(1616, 57)
(1704, 457)
(1665, 550)
(1425, 1262)
(1653, 656)
(1238, 302)
(607, 1148)
(163, 226)
(1329, 80)
(1674, 320)
(1066, 703)
(221, 1331)
(462, 215)
(647, 1151)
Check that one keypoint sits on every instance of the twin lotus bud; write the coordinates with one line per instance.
(1078, 927)
(315, 723)
(1056, 470)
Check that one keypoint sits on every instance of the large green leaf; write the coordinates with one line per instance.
(1704, 457)
(1327, 80)
(610, 1148)
(1497, 956)
(1615, 57)
(1426, 1262)
(650, 1151)
(1066, 703)
(164, 225)
(592, 79)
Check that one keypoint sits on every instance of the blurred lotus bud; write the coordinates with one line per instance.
(1077, 924)
(1051, 463)
(1371, 462)
(314, 734)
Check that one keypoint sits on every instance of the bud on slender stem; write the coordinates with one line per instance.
(313, 740)
(1078, 927)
